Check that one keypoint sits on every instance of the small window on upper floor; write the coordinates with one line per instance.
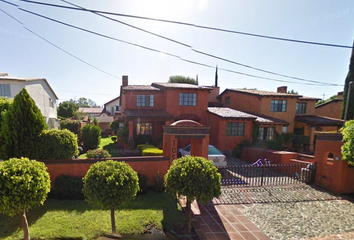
(51, 104)
(5, 90)
(300, 108)
(227, 100)
(144, 100)
(278, 105)
(188, 99)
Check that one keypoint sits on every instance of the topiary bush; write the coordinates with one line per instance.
(194, 177)
(109, 184)
(68, 188)
(123, 134)
(114, 126)
(91, 136)
(98, 153)
(152, 152)
(57, 144)
(24, 184)
(72, 125)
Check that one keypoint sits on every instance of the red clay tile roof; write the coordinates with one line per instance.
(319, 120)
(261, 93)
(162, 85)
(140, 88)
(91, 110)
(147, 113)
(232, 113)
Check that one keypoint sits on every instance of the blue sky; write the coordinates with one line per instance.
(331, 21)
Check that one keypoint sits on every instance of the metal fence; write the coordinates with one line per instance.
(267, 175)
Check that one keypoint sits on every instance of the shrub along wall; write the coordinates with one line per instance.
(148, 166)
(57, 144)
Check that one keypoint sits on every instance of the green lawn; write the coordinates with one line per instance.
(77, 219)
(108, 145)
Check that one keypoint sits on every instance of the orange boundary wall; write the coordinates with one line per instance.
(148, 166)
(251, 155)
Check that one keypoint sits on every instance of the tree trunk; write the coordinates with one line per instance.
(25, 225)
(189, 215)
(113, 221)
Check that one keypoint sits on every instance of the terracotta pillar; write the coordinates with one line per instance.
(312, 137)
(170, 148)
(131, 130)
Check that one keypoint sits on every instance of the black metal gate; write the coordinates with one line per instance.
(267, 175)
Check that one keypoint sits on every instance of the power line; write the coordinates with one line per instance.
(56, 46)
(194, 50)
(195, 25)
(169, 54)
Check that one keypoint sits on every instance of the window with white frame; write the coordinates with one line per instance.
(144, 128)
(144, 100)
(278, 105)
(266, 133)
(5, 90)
(118, 108)
(235, 129)
(188, 99)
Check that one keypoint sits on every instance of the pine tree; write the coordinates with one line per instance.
(23, 123)
(350, 78)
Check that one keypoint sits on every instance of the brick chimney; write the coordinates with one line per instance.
(124, 81)
(282, 89)
(340, 95)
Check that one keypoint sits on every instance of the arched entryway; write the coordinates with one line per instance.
(186, 129)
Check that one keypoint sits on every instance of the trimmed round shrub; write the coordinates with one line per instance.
(194, 177)
(57, 144)
(109, 184)
(24, 184)
(97, 153)
(68, 187)
(91, 136)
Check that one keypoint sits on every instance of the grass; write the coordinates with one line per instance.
(77, 219)
(108, 145)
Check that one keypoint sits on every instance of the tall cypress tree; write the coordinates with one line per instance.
(22, 124)
(350, 78)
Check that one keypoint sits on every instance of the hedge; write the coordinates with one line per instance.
(152, 152)
(68, 187)
(57, 144)
(141, 147)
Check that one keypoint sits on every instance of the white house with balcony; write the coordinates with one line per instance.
(40, 91)
(113, 107)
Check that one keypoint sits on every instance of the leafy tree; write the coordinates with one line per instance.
(24, 184)
(91, 136)
(326, 100)
(22, 124)
(109, 184)
(348, 142)
(67, 109)
(182, 79)
(292, 91)
(350, 78)
(123, 134)
(4, 106)
(194, 177)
